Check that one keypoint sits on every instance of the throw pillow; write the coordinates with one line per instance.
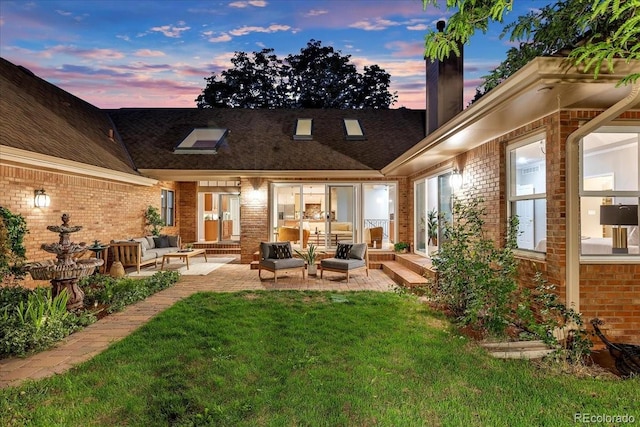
(173, 241)
(161, 241)
(282, 251)
(342, 252)
(358, 250)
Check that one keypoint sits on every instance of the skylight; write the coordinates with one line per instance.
(353, 129)
(202, 141)
(304, 128)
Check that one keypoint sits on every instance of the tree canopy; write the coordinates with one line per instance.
(594, 33)
(317, 77)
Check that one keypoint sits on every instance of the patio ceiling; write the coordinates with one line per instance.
(542, 87)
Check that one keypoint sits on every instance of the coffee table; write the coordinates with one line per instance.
(183, 255)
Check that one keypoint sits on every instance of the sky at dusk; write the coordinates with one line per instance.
(130, 53)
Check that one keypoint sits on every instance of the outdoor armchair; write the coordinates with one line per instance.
(278, 257)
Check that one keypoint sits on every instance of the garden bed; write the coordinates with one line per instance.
(32, 320)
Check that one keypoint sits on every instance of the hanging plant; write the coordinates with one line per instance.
(13, 228)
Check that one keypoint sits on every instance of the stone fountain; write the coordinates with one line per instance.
(66, 270)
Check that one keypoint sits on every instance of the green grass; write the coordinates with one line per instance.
(307, 359)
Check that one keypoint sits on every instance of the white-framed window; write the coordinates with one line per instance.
(167, 207)
(433, 203)
(527, 191)
(609, 191)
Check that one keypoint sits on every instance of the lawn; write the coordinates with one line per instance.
(310, 359)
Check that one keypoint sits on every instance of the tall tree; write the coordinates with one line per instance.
(597, 31)
(317, 77)
(258, 80)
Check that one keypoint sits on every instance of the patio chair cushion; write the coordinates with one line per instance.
(161, 241)
(342, 252)
(267, 249)
(281, 251)
(342, 264)
(358, 251)
(281, 264)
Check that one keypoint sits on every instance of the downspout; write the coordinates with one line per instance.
(572, 276)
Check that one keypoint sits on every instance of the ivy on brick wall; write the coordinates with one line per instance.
(13, 228)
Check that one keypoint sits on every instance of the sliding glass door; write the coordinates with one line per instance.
(326, 214)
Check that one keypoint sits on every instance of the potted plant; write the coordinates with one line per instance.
(402, 247)
(153, 220)
(432, 227)
(310, 257)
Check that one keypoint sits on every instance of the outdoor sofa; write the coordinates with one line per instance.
(143, 251)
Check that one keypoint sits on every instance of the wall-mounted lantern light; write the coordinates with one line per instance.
(41, 199)
(455, 181)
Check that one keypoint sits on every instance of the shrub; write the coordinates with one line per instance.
(153, 220)
(119, 293)
(543, 315)
(476, 279)
(13, 227)
(33, 320)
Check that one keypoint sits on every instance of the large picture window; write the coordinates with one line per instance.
(527, 192)
(609, 191)
(167, 207)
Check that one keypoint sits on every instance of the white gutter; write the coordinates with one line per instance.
(572, 277)
(9, 155)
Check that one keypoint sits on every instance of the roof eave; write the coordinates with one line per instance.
(550, 80)
(203, 175)
(16, 156)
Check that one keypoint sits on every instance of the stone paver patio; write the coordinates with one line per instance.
(85, 344)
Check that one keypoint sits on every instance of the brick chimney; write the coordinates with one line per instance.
(444, 88)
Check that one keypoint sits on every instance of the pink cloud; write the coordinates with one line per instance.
(148, 53)
(95, 54)
(405, 49)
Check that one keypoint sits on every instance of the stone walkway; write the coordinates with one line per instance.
(85, 344)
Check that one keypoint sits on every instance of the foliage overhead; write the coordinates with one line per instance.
(595, 31)
(317, 77)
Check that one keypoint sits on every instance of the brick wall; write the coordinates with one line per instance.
(254, 217)
(105, 209)
(611, 292)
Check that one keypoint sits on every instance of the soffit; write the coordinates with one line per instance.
(200, 175)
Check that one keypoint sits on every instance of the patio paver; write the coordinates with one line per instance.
(90, 341)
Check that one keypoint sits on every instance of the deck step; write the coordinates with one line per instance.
(402, 274)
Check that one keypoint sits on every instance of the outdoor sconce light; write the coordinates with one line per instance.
(455, 180)
(41, 199)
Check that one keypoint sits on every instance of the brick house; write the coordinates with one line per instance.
(550, 144)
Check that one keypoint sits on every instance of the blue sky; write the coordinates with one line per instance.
(129, 53)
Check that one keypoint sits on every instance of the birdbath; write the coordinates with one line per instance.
(65, 271)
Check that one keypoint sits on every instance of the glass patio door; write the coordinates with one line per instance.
(340, 217)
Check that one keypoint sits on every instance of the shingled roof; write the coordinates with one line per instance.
(40, 117)
(263, 139)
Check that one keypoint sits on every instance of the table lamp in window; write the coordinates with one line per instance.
(619, 216)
